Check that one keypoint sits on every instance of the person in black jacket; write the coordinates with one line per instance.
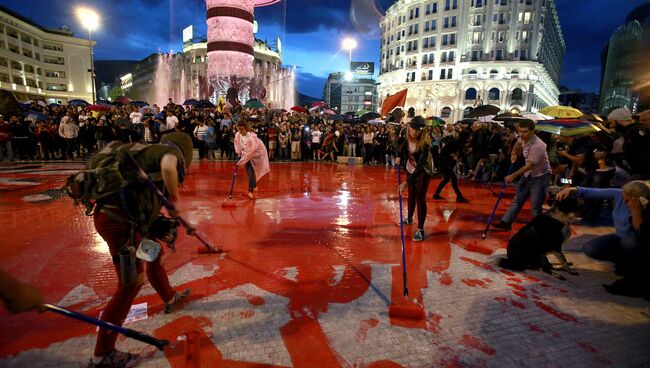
(415, 152)
(448, 158)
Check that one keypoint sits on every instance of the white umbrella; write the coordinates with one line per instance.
(376, 121)
(537, 116)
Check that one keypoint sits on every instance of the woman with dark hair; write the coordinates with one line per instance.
(252, 154)
(415, 152)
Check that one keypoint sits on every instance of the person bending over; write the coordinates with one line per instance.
(252, 155)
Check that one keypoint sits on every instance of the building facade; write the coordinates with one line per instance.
(625, 61)
(350, 95)
(41, 63)
(453, 55)
(586, 102)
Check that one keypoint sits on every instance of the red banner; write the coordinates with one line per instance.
(391, 102)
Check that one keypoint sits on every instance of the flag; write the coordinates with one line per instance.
(391, 102)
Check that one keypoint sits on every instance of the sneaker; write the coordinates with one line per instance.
(502, 225)
(419, 235)
(117, 359)
(177, 301)
(437, 196)
(462, 200)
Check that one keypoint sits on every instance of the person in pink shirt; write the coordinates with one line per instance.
(253, 155)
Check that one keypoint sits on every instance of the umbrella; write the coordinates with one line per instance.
(254, 103)
(78, 102)
(190, 102)
(483, 110)
(376, 121)
(536, 116)
(561, 112)
(138, 103)
(159, 115)
(435, 121)
(509, 117)
(299, 109)
(99, 107)
(596, 119)
(122, 99)
(54, 105)
(370, 116)
(337, 117)
(103, 102)
(329, 112)
(202, 104)
(318, 104)
(362, 112)
(567, 127)
(36, 116)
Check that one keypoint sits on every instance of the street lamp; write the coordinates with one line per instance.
(349, 44)
(90, 20)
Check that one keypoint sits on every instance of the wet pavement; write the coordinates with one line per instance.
(308, 275)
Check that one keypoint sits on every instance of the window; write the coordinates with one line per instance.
(501, 36)
(434, 8)
(470, 94)
(523, 55)
(411, 14)
(53, 60)
(517, 95)
(18, 80)
(452, 39)
(430, 74)
(454, 4)
(442, 74)
(428, 9)
(477, 20)
(450, 73)
(29, 68)
(493, 74)
(494, 94)
(426, 26)
(473, 74)
(417, 12)
(31, 83)
(415, 29)
(424, 59)
(499, 55)
(54, 74)
(447, 5)
(446, 24)
(514, 74)
(524, 36)
(453, 21)
(4, 77)
(433, 24)
(479, 3)
(445, 40)
(475, 56)
(16, 65)
(476, 37)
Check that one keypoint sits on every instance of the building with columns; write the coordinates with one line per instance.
(41, 63)
(453, 55)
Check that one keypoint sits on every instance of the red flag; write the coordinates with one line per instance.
(391, 102)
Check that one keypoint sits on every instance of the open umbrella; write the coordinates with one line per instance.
(359, 113)
(567, 127)
(318, 104)
(78, 102)
(99, 107)
(254, 103)
(103, 102)
(36, 116)
(298, 108)
(336, 117)
(483, 110)
(536, 116)
(329, 112)
(376, 121)
(203, 104)
(138, 103)
(122, 99)
(54, 105)
(190, 102)
(509, 117)
(435, 121)
(370, 116)
(561, 112)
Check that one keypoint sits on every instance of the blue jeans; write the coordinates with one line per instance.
(535, 188)
(608, 247)
(252, 183)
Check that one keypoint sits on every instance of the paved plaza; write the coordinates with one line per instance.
(307, 278)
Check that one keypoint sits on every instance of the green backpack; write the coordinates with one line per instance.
(106, 173)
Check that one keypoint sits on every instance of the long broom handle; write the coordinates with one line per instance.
(160, 344)
(169, 205)
(401, 227)
(496, 205)
(232, 185)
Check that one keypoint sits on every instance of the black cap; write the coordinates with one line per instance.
(417, 122)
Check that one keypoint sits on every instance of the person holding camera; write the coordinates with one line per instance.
(534, 174)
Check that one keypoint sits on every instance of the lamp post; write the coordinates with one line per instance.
(349, 44)
(90, 20)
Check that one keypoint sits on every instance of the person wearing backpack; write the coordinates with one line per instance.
(126, 217)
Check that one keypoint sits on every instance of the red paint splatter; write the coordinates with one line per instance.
(506, 272)
(534, 291)
(473, 342)
(500, 299)
(445, 279)
(518, 304)
(487, 280)
(433, 323)
(558, 314)
(531, 278)
(517, 287)
(514, 279)
(382, 364)
(536, 328)
(545, 285)
(587, 347)
(247, 314)
(364, 326)
(520, 294)
(474, 282)
(252, 299)
(478, 263)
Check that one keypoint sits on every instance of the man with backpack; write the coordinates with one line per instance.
(126, 214)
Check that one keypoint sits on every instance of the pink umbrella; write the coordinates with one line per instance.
(318, 104)
(298, 108)
(329, 112)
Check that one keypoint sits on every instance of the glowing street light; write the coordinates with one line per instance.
(89, 19)
(349, 44)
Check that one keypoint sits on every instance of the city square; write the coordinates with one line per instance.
(303, 231)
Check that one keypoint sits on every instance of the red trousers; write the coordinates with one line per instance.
(116, 235)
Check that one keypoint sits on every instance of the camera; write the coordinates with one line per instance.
(565, 181)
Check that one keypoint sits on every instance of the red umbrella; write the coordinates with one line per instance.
(99, 108)
(318, 104)
(123, 99)
(298, 108)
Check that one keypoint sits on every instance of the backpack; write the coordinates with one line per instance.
(106, 173)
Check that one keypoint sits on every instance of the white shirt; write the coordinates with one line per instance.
(200, 132)
(68, 129)
(136, 117)
(172, 122)
(243, 140)
(315, 136)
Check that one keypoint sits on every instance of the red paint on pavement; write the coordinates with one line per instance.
(364, 326)
(517, 287)
(433, 323)
(445, 279)
(478, 264)
(474, 282)
(556, 313)
(536, 328)
(500, 299)
(475, 343)
(520, 294)
(518, 304)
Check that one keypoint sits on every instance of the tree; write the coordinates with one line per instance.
(115, 92)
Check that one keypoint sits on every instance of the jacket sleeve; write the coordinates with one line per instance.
(237, 144)
(598, 193)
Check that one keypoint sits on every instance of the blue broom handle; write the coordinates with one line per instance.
(160, 344)
(401, 225)
(496, 205)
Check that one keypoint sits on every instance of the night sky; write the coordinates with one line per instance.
(311, 31)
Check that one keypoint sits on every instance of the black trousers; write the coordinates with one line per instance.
(449, 176)
(418, 198)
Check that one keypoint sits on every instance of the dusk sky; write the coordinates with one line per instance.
(311, 31)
